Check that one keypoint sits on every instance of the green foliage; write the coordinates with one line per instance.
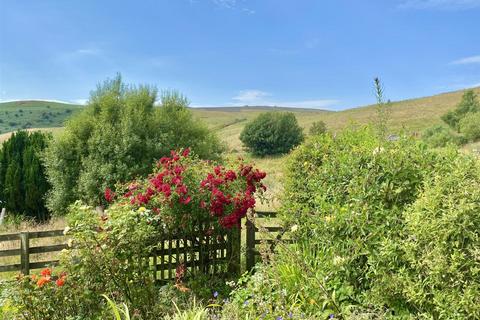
(441, 275)
(470, 126)
(22, 175)
(272, 133)
(347, 195)
(318, 127)
(468, 104)
(440, 136)
(39, 297)
(382, 109)
(116, 138)
(184, 198)
(119, 312)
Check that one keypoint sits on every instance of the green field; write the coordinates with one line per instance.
(34, 114)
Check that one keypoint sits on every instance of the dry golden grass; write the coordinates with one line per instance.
(5, 136)
(54, 224)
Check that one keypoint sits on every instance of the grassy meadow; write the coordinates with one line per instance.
(17, 115)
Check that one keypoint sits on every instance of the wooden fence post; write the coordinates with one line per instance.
(25, 252)
(234, 259)
(2, 215)
(250, 242)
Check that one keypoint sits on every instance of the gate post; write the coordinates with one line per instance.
(250, 244)
(25, 253)
(235, 244)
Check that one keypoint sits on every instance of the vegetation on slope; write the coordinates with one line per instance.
(34, 114)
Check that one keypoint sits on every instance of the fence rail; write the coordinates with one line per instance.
(209, 254)
(26, 250)
(252, 240)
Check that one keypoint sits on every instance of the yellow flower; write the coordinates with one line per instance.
(328, 218)
(142, 209)
(312, 301)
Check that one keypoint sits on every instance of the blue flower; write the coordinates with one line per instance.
(279, 318)
(245, 303)
(215, 294)
(290, 315)
(331, 316)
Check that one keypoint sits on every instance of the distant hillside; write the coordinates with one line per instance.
(413, 115)
(34, 114)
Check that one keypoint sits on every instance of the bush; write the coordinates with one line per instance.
(440, 136)
(318, 127)
(442, 239)
(347, 196)
(470, 126)
(116, 138)
(468, 104)
(272, 133)
(22, 175)
(184, 196)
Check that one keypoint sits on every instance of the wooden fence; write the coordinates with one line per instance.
(206, 254)
(25, 250)
(253, 238)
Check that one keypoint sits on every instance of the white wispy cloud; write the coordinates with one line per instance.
(439, 4)
(467, 60)
(250, 96)
(254, 97)
(233, 4)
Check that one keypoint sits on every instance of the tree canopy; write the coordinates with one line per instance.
(119, 136)
(22, 175)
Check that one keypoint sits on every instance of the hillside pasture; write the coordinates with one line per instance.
(17, 115)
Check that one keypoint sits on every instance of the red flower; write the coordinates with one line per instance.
(109, 195)
(42, 281)
(46, 272)
(61, 281)
(230, 175)
(185, 200)
(181, 189)
(166, 190)
(186, 152)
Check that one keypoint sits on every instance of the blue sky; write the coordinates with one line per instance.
(304, 53)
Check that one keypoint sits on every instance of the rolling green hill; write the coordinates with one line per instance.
(34, 114)
(413, 115)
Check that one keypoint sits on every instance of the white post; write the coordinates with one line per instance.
(2, 216)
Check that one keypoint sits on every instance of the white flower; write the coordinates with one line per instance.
(294, 228)
(70, 243)
(65, 231)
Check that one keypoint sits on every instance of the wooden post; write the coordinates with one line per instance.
(25, 253)
(234, 259)
(250, 244)
(2, 216)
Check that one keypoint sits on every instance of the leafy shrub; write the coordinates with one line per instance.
(442, 246)
(185, 196)
(272, 133)
(470, 126)
(468, 104)
(440, 136)
(116, 138)
(347, 196)
(22, 175)
(318, 127)
(49, 296)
